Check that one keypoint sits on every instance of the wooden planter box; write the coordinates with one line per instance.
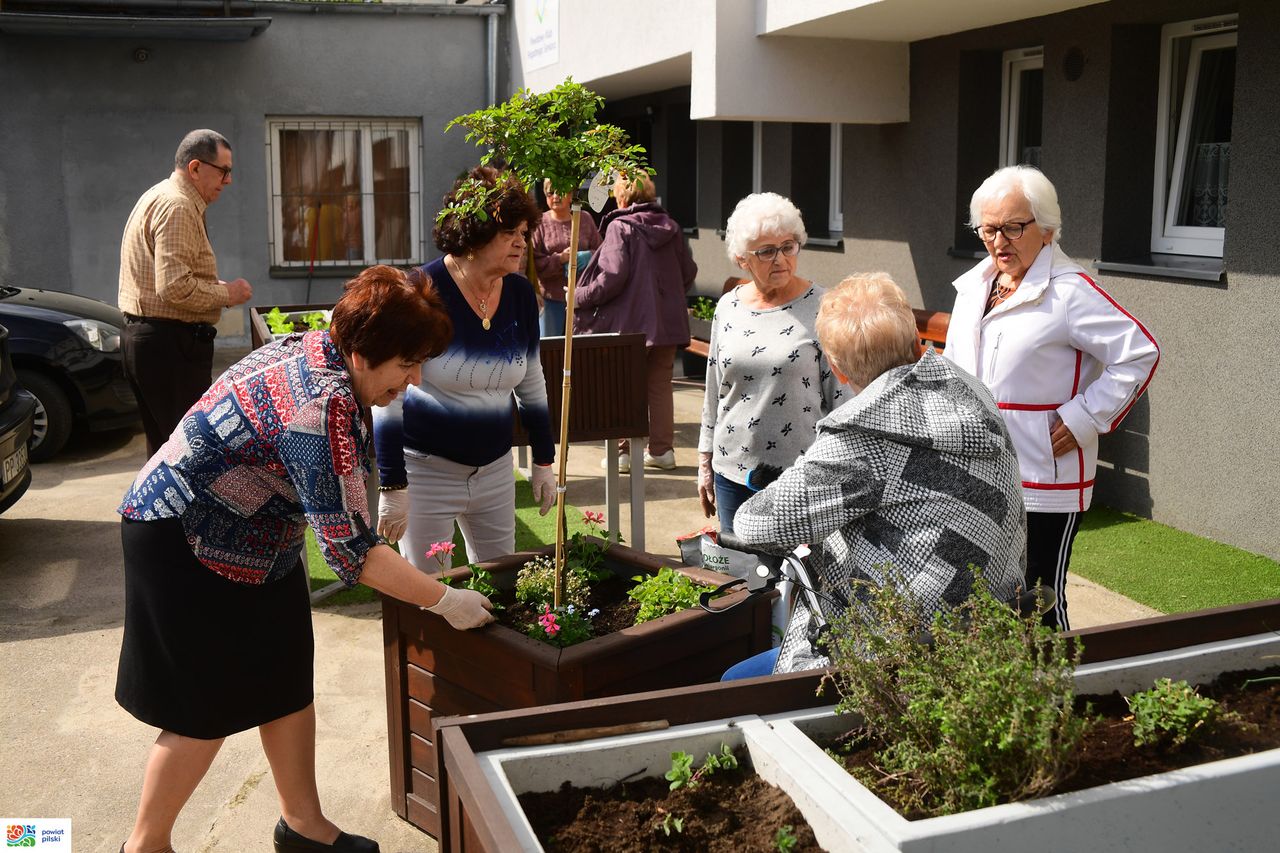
(434, 671)
(1221, 805)
(260, 333)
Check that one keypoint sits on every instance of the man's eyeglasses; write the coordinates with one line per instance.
(1010, 230)
(225, 170)
(788, 249)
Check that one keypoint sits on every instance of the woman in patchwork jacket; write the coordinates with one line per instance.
(913, 480)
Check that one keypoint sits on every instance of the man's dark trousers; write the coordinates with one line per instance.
(170, 366)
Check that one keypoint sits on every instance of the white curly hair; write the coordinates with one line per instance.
(761, 213)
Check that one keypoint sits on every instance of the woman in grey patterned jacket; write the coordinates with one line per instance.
(916, 473)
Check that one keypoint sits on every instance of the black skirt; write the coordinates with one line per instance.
(204, 656)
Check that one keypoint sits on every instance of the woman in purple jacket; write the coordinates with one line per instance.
(636, 282)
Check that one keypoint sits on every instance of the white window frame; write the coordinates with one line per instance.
(1167, 238)
(835, 199)
(1014, 63)
(366, 125)
(757, 155)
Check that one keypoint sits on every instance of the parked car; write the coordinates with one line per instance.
(66, 350)
(17, 412)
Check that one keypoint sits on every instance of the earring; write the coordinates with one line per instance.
(471, 256)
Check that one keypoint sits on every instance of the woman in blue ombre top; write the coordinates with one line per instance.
(444, 453)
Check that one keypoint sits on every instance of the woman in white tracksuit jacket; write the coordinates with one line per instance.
(1063, 359)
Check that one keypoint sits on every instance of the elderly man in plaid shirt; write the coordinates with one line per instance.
(170, 292)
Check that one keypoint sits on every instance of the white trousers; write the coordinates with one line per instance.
(481, 500)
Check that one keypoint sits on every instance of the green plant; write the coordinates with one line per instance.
(552, 135)
(315, 320)
(703, 308)
(663, 593)
(984, 715)
(586, 555)
(683, 775)
(1173, 713)
(670, 822)
(535, 581)
(479, 580)
(278, 321)
(785, 838)
(563, 626)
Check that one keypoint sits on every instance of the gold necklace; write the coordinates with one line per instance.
(483, 301)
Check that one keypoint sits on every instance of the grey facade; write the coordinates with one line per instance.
(86, 128)
(1200, 452)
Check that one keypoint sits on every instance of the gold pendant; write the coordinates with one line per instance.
(485, 322)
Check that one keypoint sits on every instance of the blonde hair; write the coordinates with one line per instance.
(866, 326)
(634, 189)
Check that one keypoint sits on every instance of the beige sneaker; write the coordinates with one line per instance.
(665, 461)
(624, 463)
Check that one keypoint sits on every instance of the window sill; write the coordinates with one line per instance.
(327, 271)
(1168, 266)
(968, 254)
(836, 242)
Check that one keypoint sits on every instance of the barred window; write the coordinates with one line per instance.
(344, 192)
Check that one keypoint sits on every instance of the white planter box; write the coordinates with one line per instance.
(604, 762)
(1223, 805)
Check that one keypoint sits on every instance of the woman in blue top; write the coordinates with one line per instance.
(444, 454)
(217, 626)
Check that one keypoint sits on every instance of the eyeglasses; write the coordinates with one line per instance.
(1010, 230)
(225, 170)
(789, 249)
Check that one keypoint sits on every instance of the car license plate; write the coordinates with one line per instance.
(14, 464)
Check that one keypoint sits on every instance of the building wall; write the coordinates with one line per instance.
(86, 129)
(1200, 451)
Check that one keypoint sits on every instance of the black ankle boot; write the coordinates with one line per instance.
(288, 841)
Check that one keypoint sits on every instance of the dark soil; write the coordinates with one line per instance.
(1107, 753)
(617, 611)
(728, 812)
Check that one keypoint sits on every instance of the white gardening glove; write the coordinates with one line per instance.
(393, 514)
(544, 486)
(463, 608)
(706, 485)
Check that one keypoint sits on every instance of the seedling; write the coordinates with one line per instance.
(1173, 713)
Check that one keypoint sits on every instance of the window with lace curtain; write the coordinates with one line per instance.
(345, 192)
(1193, 137)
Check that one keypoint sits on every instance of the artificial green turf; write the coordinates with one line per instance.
(532, 531)
(1165, 568)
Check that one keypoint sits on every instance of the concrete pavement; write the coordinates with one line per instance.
(72, 752)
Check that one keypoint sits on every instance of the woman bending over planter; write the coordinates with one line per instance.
(914, 476)
(217, 630)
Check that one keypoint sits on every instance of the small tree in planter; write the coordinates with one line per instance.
(551, 136)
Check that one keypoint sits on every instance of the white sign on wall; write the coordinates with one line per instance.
(542, 23)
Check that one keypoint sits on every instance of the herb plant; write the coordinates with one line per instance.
(663, 593)
(983, 716)
(1173, 714)
(703, 308)
(534, 583)
(670, 822)
(683, 775)
(784, 840)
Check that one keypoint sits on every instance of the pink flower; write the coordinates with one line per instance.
(548, 621)
(593, 519)
(442, 551)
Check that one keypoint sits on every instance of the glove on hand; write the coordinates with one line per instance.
(706, 485)
(463, 608)
(393, 514)
(544, 487)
